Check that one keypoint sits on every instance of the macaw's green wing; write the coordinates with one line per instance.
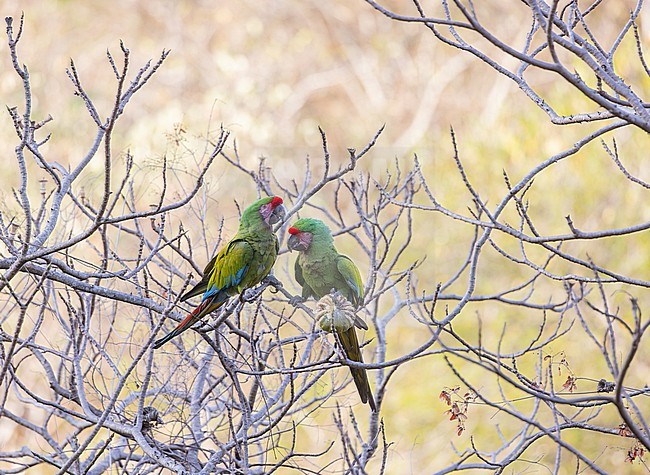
(228, 260)
(350, 273)
(202, 286)
(297, 272)
(307, 291)
(229, 269)
(350, 345)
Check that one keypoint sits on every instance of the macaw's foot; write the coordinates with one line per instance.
(249, 295)
(273, 282)
(296, 300)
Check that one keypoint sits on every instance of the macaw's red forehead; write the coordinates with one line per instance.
(276, 201)
(293, 230)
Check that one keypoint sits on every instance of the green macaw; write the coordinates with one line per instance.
(320, 269)
(239, 265)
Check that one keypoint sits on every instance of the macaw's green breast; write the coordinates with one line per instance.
(321, 274)
(265, 251)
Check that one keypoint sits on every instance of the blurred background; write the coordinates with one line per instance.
(273, 72)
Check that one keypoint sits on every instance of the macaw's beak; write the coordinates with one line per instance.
(293, 242)
(277, 215)
(298, 241)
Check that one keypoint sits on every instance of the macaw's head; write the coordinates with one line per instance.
(269, 209)
(305, 231)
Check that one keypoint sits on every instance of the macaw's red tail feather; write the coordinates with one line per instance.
(203, 309)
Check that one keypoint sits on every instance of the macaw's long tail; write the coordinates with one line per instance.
(350, 344)
(199, 312)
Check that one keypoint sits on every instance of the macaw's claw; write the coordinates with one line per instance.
(296, 300)
(249, 295)
(273, 282)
